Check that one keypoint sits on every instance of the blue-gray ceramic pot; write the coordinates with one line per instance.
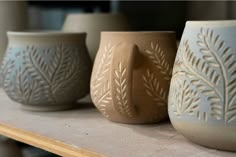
(46, 71)
(202, 98)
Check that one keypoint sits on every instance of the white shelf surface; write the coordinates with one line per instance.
(83, 132)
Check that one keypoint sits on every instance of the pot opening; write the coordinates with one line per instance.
(217, 23)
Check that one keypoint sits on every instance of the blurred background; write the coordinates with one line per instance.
(141, 15)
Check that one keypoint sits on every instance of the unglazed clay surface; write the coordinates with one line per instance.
(131, 75)
(203, 86)
(43, 75)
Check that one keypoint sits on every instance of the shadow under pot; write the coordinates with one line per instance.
(202, 98)
(131, 75)
(46, 71)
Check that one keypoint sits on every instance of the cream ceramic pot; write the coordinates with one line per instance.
(131, 75)
(202, 99)
(93, 24)
(13, 16)
(46, 71)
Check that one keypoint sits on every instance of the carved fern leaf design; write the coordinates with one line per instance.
(120, 89)
(6, 67)
(66, 69)
(22, 90)
(157, 56)
(35, 92)
(33, 68)
(101, 90)
(22, 87)
(6, 70)
(184, 99)
(103, 67)
(46, 74)
(104, 98)
(201, 66)
(205, 78)
(153, 88)
(217, 54)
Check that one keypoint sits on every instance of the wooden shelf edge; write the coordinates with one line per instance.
(45, 143)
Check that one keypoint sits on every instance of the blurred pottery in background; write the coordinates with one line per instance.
(131, 75)
(202, 98)
(46, 71)
(13, 16)
(8, 148)
(93, 24)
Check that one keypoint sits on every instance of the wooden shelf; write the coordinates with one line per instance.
(83, 132)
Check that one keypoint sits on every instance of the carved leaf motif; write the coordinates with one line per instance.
(201, 66)
(217, 54)
(6, 67)
(100, 89)
(153, 88)
(120, 89)
(66, 71)
(17, 88)
(37, 79)
(6, 70)
(22, 87)
(205, 78)
(183, 99)
(22, 90)
(157, 56)
(103, 67)
(104, 98)
(35, 71)
(231, 113)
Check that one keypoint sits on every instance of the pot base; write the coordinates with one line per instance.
(217, 137)
(47, 108)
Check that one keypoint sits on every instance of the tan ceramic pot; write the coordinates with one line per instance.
(131, 75)
(93, 24)
(13, 16)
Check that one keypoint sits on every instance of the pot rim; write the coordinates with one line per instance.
(94, 14)
(218, 23)
(45, 33)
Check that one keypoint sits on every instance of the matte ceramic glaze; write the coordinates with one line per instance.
(93, 24)
(131, 75)
(202, 98)
(46, 71)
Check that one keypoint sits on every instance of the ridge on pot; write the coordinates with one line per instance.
(131, 75)
(46, 71)
(202, 98)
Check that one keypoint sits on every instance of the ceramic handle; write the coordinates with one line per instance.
(121, 78)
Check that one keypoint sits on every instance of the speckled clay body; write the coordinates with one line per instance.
(46, 71)
(131, 75)
(202, 98)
